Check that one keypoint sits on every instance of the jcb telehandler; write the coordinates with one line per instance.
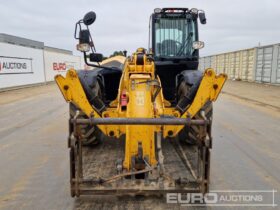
(142, 124)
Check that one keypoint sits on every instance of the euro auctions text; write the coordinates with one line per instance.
(264, 198)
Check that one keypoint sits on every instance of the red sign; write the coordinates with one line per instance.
(59, 66)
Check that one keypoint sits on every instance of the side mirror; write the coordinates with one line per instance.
(84, 37)
(89, 18)
(95, 57)
(84, 41)
(202, 18)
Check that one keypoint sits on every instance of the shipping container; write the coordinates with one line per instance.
(207, 62)
(201, 65)
(238, 65)
(247, 64)
(278, 65)
(221, 63)
(260, 64)
(213, 62)
(264, 64)
(226, 64)
(231, 70)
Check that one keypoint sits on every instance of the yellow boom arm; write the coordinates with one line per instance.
(209, 90)
(72, 91)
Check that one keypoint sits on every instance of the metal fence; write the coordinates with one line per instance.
(260, 64)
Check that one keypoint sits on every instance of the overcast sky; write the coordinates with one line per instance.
(123, 24)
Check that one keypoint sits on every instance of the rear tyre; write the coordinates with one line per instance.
(91, 134)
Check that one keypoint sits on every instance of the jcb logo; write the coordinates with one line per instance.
(59, 66)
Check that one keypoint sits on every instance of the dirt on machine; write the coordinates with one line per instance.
(141, 124)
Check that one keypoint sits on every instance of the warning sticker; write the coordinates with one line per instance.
(140, 98)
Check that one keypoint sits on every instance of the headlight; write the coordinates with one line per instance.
(198, 45)
(194, 10)
(157, 10)
(83, 47)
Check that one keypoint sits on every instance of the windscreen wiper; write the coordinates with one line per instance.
(185, 44)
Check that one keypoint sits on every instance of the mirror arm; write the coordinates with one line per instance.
(92, 46)
(96, 66)
(75, 33)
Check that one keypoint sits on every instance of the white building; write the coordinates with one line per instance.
(26, 62)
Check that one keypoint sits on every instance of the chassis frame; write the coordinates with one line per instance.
(118, 184)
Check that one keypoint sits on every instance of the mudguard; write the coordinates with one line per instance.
(187, 85)
(189, 76)
(91, 86)
(100, 86)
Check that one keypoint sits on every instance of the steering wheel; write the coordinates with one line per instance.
(170, 46)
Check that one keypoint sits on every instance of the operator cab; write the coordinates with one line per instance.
(175, 44)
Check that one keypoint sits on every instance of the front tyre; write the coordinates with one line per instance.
(91, 135)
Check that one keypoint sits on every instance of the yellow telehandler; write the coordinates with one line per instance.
(142, 124)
